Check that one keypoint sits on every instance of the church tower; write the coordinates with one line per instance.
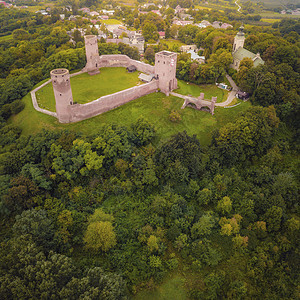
(92, 54)
(165, 71)
(63, 94)
(239, 39)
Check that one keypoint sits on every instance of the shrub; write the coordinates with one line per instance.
(175, 116)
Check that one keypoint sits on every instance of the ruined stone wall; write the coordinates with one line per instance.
(79, 112)
(120, 60)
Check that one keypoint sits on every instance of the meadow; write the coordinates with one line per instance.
(155, 107)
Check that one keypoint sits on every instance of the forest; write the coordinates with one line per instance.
(106, 215)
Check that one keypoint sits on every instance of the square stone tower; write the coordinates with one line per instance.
(92, 54)
(239, 39)
(165, 71)
(63, 93)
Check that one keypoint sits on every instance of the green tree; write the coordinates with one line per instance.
(100, 236)
(273, 218)
(150, 55)
(224, 205)
(149, 32)
(38, 225)
(152, 243)
(203, 227)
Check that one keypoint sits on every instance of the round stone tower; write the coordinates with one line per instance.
(165, 71)
(239, 39)
(63, 94)
(92, 54)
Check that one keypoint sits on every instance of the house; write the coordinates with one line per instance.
(162, 34)
(84, 10)
(146, 78)
(108, 12)
(186, 17)
(156, 12)
(72, 18)
(216, 24)
(182, 23)
(196, 57)
(115, 41)
(186, 48)
(94, 13)
(179, 9)
(226, 26)
(239, 52)
(206, 23)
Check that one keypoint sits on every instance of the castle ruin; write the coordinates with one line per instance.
(164, 74)
(62, 92)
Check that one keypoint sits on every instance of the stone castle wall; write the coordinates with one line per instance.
(121, 60)
(164, 73)
(79, 112)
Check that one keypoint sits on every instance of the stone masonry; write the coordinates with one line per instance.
(164, 73)
(63, 93)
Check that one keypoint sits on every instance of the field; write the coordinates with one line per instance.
(112, 22)
(274, 3)
(41, 5)
(209, 90)
(86, 88)
(270, 20)
(154, 107)
(5, 38)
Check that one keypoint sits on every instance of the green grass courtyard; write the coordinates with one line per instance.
(86, 88)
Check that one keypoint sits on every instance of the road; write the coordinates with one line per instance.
(239, 7)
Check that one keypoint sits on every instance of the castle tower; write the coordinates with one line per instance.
(165, 71)
(63, 93)
(92, 54)
(239, 39)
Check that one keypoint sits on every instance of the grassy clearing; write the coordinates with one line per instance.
(172, 45)
(209, 90)
(171, 289)
(112, 22)
(273, 15)
(155, 107)
(42, 5)
(269, 20)
(5, 38)
(86, 88)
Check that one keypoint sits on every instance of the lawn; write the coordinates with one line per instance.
(112, 22)
(155, 107)
(171, 289)
(86, 88)
(209, 90)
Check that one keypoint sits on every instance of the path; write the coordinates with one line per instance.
(239, 7)
(229, 99)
